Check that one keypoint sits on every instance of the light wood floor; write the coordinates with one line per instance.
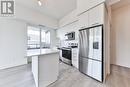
(69, 77)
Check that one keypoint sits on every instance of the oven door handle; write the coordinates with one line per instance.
(66, 49)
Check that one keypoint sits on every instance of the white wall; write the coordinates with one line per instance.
(13, 34)
(13, 40)
(32, 16)
(120, 36)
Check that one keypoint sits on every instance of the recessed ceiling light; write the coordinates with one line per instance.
(39, 2)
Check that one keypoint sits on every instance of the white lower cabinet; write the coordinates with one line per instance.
(61, 58)
(75, 59)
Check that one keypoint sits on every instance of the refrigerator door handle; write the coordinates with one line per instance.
(84, 43)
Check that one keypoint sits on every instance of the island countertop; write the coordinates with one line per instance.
(38, 52)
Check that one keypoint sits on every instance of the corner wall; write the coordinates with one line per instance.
(120, 36)
(13, 43)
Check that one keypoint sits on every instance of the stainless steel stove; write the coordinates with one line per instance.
(66, 55)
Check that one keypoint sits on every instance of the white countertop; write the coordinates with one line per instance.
(38, 52)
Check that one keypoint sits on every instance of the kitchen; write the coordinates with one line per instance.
(78, 49)
(90, 21)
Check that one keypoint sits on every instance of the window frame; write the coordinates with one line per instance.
(40, 37)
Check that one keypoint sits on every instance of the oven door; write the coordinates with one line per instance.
(66, 54)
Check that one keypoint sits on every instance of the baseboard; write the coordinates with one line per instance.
(12, 66)
(120, 66)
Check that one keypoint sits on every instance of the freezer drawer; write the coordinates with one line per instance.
(91, 68)
(85, 66)
(97, 70)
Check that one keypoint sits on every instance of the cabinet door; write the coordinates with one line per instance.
(96, 15)
(83, 21)
(97, 70)
(82, 5)
(93, 3)
(61, 55)
(75, 59)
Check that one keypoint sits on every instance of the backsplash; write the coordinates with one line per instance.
(64, 43)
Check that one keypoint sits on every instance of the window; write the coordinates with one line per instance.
(38, 38)
(45, 39)
(33, 38)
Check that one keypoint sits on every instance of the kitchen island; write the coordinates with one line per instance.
(45, 66)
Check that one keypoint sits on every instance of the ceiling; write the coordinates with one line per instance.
(120, 4)
(53, 8)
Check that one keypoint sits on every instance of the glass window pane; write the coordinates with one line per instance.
(45, 39)
(43, 35)
(33, 38)
(48, 38)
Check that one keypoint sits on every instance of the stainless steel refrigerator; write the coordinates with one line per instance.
(91, 52)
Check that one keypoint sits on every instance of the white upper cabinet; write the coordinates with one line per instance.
(92, 17)
(93, 3)
(73, 27)
(84, 5)
(83, 21)
(96, 15)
